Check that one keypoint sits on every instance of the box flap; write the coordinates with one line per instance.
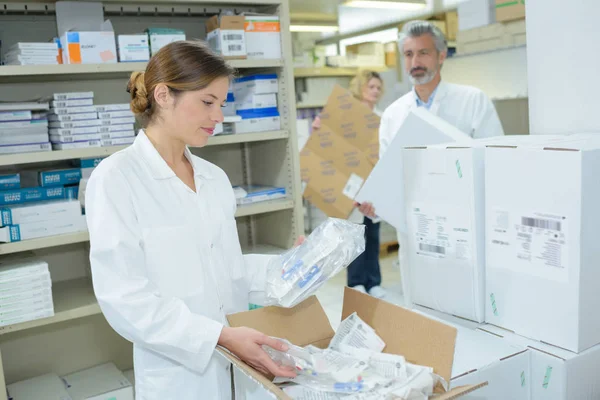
(419, 339)
(233, 22)
(212, 23)
(459, 391)
(302, 325)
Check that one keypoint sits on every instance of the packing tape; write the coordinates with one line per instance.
(493, 300)
(547, 377)
(459, 169)
(522, 378)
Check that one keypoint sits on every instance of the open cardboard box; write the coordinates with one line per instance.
(419, 339)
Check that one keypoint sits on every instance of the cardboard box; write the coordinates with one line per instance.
(48, 386)
(89, 48)
(492, 37)
(99, 383)
(226, 36)
(451, 25)
(419, 339)
(263, 36)
(444, 197)
(133, 48)
(391, 54)
(557, 374)
(541, 267)
(509, 10)
(420, 128)
(338, 158)
(476, 13)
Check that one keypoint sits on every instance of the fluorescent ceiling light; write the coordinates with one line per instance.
(314, 28)
(386, 4)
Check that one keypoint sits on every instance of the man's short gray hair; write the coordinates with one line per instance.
(418, 28)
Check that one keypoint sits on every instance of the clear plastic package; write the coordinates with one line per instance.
(299, 272)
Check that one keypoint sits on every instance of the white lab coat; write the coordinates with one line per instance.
(465, 107)
(167, 268)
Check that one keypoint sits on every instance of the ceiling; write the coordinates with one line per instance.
(314, 9)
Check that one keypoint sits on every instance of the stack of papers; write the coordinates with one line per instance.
(26, 291)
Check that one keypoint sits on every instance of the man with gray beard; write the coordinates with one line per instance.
(424, 49)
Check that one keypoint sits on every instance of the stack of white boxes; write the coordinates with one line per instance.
(73, 121)
(116, 124)
(256, 103)
(32, 54)
(26, 290)
(502, 226)
(24, 128)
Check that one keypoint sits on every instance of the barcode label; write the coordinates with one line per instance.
(541, 223)
(233, 37)
(430, 248)
(234, 47)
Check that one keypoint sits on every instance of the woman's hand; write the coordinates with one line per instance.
(366, 209)
(316, 125)
(299, 241)
(247, 344)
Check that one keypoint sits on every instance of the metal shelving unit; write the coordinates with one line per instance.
(262, 158)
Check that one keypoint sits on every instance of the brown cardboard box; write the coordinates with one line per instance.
(226, 35)
(451, 25)
(509, 10)
(491, 37)
(420, 340)
(391, 54)
(338, 157)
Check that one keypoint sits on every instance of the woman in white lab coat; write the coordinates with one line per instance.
(165, 255)
(364, 274)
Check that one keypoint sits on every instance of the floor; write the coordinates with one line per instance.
(332, 293)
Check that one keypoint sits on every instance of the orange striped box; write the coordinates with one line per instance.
(263, 36)
(89, 48)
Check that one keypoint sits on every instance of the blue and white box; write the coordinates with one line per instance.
(39, 212)
(230, 107)
(262, 120)
(133, 48)
(256, 101)
(255, 84)
(29, 195)
(9, 182)
(258, 193)
(88, 162)
(60, 177)
(36, 230)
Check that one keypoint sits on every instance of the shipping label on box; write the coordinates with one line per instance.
(89, 48)
(339, 157)
(509, 10)
(263, 36)
(226, 36)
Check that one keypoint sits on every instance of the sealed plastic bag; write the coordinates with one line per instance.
(299, 272)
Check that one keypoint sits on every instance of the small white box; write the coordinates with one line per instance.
(541, 241)
(48, 387)
(133, 48)
(259, 121)
(99, 383)
(124, 141)
(476, 13)
(116, 121)
(557, 374)
(116, 114)
(116, 128)
(73, 110)
(256, 101)
(39, 212)
(159, 39)
(75, 138)
(73, 96)
(113, 107)
(225, 35)
(72, 117)
(263, 37)
(36, 230)
(74, 131)
(89, 48)
(25, 283)
(255, 84)
(72, 103)
(77, 145)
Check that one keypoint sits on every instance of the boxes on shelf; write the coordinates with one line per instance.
(23, 127)
(541, 257)
(230, 108)
(263, 36)
(36, 230)
(420, 340)
(89, 47)
(32, 54)
(50, 178)
(28, 195)
(48, 386)
(476, 13)
(254, 84)
(112, 107)
(338, 158)
(26, 291)
(509, 10)
(39, 212)
(62, 139)
(262, 120)
(104, 381)
(491, 37)
(133, 48)
(109, 122)
(373, 51)
(84, 144)
(256, 101)
(557, 374)
(73, 96)
(256, 193)
(116, 114)
(122, 141)
(87, 166)
(226, 36)
(160, 37)
(10, 181)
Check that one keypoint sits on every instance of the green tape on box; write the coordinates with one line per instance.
(509, 3)
(522, 378)
(459, 169)
(253, 306)
(493, 300)
(547, 377)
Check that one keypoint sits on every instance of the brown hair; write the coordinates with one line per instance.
(361, 80)
(182, 66)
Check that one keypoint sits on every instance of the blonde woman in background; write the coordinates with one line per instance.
(364, 273)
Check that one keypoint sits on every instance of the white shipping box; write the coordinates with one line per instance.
(558, 374)
(541, 241)
(476, 13)
(102, 382)
(420, 128)
(89, 48)
(263, 37)
(48, 387)
(444, 194)
(481, 357)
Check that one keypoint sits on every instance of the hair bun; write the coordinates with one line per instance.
(139, 96)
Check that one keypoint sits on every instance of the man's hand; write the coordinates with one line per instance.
(247, 344)
(366, 209)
